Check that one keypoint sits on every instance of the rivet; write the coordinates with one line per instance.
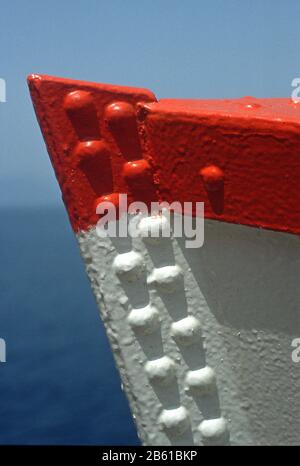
(129, 265)
(161, 371)
(213, 177)
(201, 381)
(121, 121)
(113, 198)
(153, 228)
(174, 421)
(77, 100)
(166, 278)
(214, 431)
(186, 331)
(82, 113)
(95, 148)
(119, 114)
(144, 320)
(136, 169)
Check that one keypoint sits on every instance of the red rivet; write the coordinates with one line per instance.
(77, 100)
(213, 177)
(135, 169)
(113, 198)
(82, 112)
(121, 119)
(91, 149)
(119, 114)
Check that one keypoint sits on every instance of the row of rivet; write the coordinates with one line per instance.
(121, 121)
(161, 371)
(120, 118)
(185, 332)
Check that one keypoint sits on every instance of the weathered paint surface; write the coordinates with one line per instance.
(207, 361)
(238, 156)
(202, 338)
(78, 121)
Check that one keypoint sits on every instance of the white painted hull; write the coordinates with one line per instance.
(232, 381)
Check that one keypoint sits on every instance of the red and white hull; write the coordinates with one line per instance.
(201, 336)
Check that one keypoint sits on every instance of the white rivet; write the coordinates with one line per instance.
(129, 265)
(161, 370)
(174, 421)
(145, 320)
(153, 228)
(166, 278)
(186, 331)
(201, 381)
(214, 431)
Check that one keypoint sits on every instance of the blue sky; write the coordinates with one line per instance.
(204, 48)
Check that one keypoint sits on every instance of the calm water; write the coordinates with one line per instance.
(59, 384)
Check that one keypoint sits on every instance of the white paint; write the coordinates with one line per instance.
(152, 229)
(129, 265)
(165, 278)
(242, 287)
(186, 331)
(174, 421)
(161, 370)
(214, 431)
(145, 320)
(202, 381)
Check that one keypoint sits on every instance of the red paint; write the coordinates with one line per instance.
(91, 149)
(113, 198)
(257, 148)
(213, 177)
(121, 121)
(82, 112)
(138, 175)
(136, 169)
(93, 159)
(70, 112)
(241, 157)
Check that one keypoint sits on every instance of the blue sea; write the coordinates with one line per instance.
(59, 384)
